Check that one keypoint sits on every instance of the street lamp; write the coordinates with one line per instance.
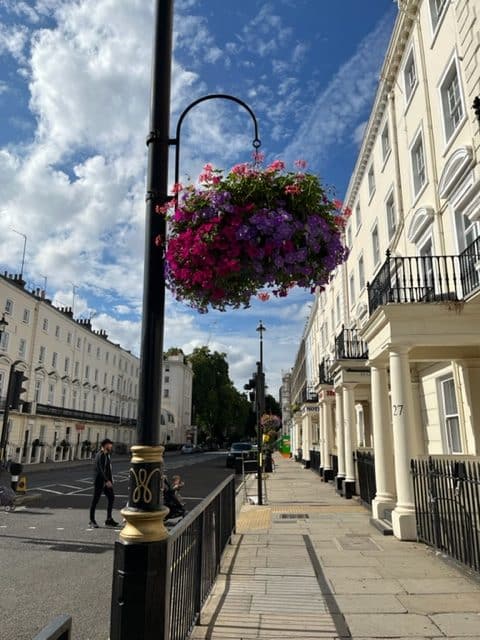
(260, 395)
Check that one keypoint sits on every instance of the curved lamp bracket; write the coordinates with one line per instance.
(223, 96)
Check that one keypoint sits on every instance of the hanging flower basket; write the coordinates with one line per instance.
(234, 235)
(269, 422)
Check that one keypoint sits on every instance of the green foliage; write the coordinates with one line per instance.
(220, 411)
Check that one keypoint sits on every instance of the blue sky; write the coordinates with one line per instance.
(74, 92)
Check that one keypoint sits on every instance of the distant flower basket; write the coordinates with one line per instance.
(232, 236)
(270, 421)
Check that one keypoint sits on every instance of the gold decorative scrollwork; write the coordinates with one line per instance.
(142, 485)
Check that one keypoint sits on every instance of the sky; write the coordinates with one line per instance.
(74, 100)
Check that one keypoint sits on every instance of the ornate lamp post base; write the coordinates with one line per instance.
(144, 514)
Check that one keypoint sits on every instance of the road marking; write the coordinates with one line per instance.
(3, 526)
(58, 493)
(69, 486)
(60, 528)
(32, 527)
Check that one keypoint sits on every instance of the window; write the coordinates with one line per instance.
(64, 396)
(452, 104)
(391, 216)
(51, 393)
(87, 371)
(26, 316)
(450, 416)
(105, 379)
(167, 379)
(166, 393)
(418, 165)
(89, 348)
(85, 401)
(69, 338)
(349, 236)
(77, 369)
(54, 359)
(106, 356)
(98, 352)
(113, 382)
(410, 76)
(38, 391)
(352, 289)
(358, 217)
(4, 337)
(385, 142)
(9, 306)
(74, 399)
(45, 324)
(94, 403)
(114, 360)
(371, 181)
(436, 10)
(41, 355)
(66, 367)
(79, 343)
(338, 309)
(57, 331)
(103, 404)
(375, 245)
(22, 347)
(95, 377)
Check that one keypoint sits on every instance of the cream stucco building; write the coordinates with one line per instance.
(393, 342)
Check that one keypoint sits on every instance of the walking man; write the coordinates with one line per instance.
(103, 483)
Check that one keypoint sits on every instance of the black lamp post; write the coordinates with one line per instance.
(260, 395)
(141, 581)
(3, 325)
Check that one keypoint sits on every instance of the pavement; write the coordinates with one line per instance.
(310, 565)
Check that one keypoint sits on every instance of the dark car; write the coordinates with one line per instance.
(240, 450)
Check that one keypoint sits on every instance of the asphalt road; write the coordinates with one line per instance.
(53, 563)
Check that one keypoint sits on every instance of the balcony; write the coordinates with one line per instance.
(426, 279)
(323, 371)
(62, 412)
(348, 346)
(309, 395)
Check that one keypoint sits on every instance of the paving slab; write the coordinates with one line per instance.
(390, 625)
(439, 585)
(440, 603)
(459, 624)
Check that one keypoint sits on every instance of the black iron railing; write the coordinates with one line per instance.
(348, 346)
(195, 550)
(309, 395)
(49, 410)
(469, 261)
(447, 505)
(324, 376)
(366, 476)
(426, 279)
(315, 461)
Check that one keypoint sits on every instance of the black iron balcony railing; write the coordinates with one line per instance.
(324, 376)
(348, 346)
(426, 278)
(62, 412)
(309, 395)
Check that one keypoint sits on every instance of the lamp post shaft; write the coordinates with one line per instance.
(141, 569)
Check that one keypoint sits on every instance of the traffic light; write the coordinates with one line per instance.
(476, 107)
(251, 388)
(18, 380)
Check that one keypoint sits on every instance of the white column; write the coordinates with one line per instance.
(340, 438)
(382, 443)
(349, 419)
(321, 437)
(403, 421)
(306, 437)
(327, 443)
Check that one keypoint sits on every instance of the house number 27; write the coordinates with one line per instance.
(397, 409)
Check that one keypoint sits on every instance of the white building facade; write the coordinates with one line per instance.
(177, 397)
(81, 387)
(395, 333)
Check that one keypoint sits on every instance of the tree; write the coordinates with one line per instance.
(221, 412)
(272, 406)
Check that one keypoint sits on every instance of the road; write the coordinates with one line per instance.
(53, 563)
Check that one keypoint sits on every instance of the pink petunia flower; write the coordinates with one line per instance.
(177, 187)
(300, 164)
(263, 296)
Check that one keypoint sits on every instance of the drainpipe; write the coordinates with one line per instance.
(392, 116)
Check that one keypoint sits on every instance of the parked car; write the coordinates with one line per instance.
(240, 450)
(187, 448)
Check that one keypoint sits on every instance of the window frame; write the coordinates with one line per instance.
(375, 231)
(22, 352)
(451, 64)
(436, 24)
(391, 199)
(45, 325)
(4, 340)
(361, 273)
(372, 186)
(9, 306)
(410, 90)
(385, 154)
(444, 416)
(418, 138)
(26, 316)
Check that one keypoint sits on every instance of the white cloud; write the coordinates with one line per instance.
(359, 132)
(343, 101)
